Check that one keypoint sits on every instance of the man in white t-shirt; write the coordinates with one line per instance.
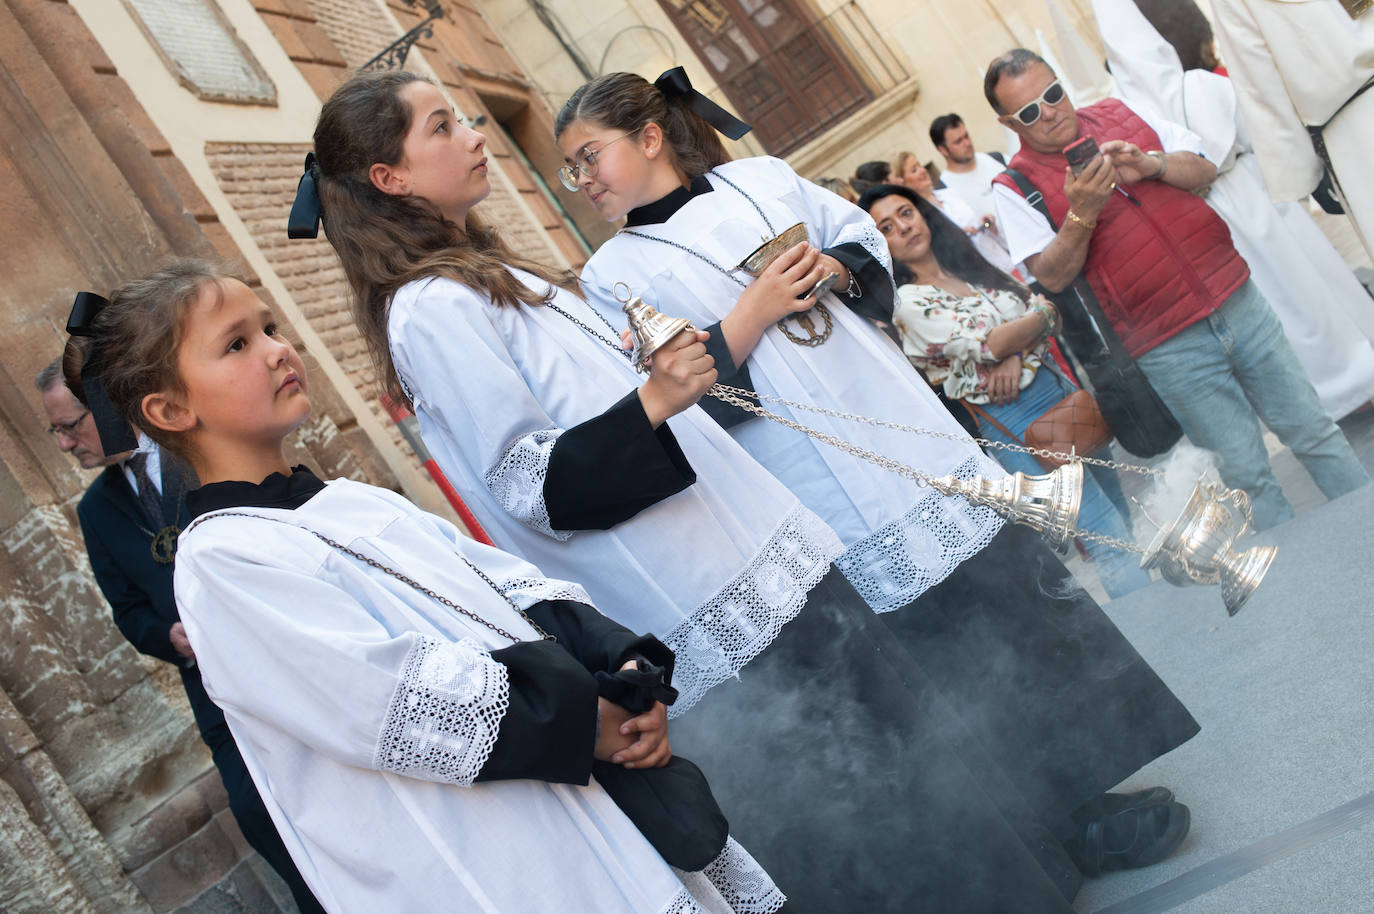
(969, 174)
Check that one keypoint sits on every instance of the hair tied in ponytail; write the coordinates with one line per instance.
(304, 221)
(674, 83)
(115, 435)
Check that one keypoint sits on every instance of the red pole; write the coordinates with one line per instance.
(410, 430)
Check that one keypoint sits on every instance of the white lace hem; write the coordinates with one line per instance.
(528, 591)
(735, 880)
(743, 617)
(683, 903)
(444, 716)
(517, 481)
(899, 561)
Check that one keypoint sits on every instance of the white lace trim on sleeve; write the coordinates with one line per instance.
(444, 716)
(517, 480)
(683, 903)
(744, 616)
(866, 234)
(735, 878)
(900, 560)
(528, 591)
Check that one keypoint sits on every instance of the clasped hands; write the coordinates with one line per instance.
(633, 740)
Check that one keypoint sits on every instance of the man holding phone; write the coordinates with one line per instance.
(1120, 187)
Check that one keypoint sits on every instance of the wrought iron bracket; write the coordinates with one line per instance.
(393, 56)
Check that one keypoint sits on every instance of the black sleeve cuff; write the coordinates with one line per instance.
(730, 374)
(594, 640)
(609, 468)
(548, 732)
(875, 300)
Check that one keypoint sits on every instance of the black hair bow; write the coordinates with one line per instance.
(674, 82)
(116, 436)
(304, 221)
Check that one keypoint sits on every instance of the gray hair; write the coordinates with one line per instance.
(50, 376)
(1013, 63)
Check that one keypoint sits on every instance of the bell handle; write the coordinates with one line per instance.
(1238, 498)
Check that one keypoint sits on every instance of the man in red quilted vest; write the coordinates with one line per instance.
(1163, 267)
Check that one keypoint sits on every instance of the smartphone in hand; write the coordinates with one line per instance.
(1079, 153)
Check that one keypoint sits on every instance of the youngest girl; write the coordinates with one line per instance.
(370, 660)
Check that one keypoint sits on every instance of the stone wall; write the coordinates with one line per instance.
(108, 800)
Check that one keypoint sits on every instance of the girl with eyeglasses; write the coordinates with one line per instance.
(985, 609)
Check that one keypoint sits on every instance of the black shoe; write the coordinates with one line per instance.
(1134, 837)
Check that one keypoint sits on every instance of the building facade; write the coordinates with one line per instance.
(137, 130)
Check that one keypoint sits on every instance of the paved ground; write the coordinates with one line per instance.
(1281, 779)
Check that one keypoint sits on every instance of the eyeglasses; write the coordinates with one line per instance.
(1053, 95)
(568, 175)
(68, 428)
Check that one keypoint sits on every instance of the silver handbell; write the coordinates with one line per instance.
(650, 330)
(1048, 504)
(1199, 546)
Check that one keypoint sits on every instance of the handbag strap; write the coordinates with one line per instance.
(1080, 287)
(368, 560)
(979, 411)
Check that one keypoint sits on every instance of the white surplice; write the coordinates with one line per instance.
(1325, 312)
(1296, 63)
(364, 710)
(900, 538)
(714, 571)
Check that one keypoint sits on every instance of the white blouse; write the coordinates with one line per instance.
(946, 337)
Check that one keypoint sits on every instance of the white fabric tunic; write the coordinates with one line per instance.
(364, 710)
(1295, 64)
(900, 538)
(714, 571)
(1325, 312)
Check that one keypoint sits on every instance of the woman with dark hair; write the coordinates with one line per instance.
(911, 174)
(980, 336)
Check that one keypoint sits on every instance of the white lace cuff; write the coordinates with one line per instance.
(517, 480)
(528, 591)
(736, 879)
(743, 617)
(900, 560)
(866, 234)
(443, 719)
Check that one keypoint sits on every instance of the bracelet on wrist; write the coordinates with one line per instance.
(853, 290)
(1159, 156)
(1085, 223)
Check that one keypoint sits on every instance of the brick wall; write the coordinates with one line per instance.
(259, 179)
(358, 28)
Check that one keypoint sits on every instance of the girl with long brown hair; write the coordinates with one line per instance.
(836, 752)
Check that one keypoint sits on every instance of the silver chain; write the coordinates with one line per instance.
(729, 274)
(438, 598)
(557, 310)
(932, 433)
(736, 396)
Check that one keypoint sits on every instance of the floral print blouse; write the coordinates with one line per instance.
(946, 337)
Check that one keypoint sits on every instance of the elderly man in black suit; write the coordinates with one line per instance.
(129, 517)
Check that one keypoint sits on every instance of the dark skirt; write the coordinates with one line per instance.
(1052, 691)
(846, 774)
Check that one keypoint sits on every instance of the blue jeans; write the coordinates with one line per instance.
(1224, 374)
(1104, 508)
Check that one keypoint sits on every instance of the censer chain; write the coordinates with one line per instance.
(735, 397)
(739, 392)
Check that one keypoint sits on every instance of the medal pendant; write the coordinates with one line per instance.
(164, 545)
